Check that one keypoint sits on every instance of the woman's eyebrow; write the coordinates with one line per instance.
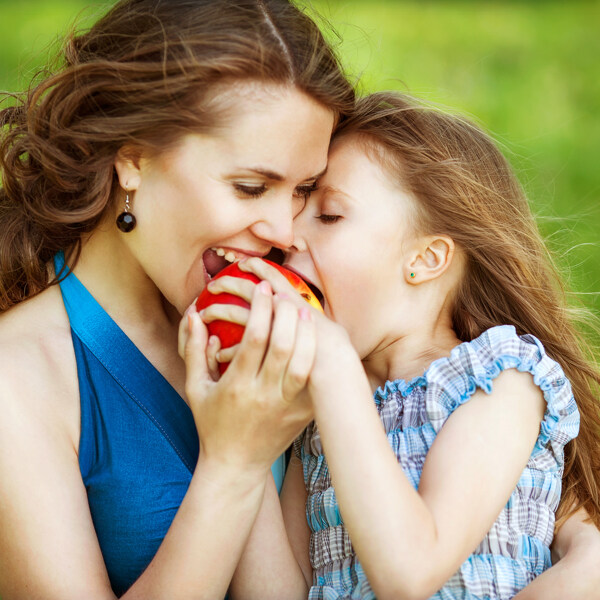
(267, 173)
(277, 176)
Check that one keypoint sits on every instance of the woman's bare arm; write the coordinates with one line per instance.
(269, 569)
(575, 574)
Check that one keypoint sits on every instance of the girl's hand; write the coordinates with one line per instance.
(335, 355)
(252, 414)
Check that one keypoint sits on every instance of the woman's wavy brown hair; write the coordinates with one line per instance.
(141, 77)
(466, 189)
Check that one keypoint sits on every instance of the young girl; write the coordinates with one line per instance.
(426, 252)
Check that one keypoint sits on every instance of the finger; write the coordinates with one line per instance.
(212, 352)
(244, 288)
(183, 330)
(225, 312)
(281, 342)
(226, 355)
(253, 346)
(303, 357)
(269, 273)
(195, 352)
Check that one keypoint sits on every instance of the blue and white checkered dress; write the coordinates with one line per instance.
(516, 549)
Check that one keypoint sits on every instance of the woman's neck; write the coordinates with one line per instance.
(117, 281)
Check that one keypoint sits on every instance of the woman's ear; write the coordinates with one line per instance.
(127, 166)
(431, 258)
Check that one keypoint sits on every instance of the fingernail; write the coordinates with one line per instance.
(283, 296)
(265, 288)
(305, 314)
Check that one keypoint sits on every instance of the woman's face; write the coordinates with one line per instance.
(352, 241)
(234, 192)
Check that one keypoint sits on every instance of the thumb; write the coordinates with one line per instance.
(194, 351)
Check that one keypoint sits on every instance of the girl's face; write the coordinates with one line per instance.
(352, 241)
(236, 190)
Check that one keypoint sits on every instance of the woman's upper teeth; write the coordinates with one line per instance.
(228, 255)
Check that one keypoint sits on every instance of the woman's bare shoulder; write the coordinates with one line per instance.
(38, 374)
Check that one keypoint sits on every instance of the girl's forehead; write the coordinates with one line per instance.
(352, 160)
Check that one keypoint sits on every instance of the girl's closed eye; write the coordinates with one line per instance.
(328, 219)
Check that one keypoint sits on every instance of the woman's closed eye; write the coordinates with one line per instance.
(254, 191)
(249, 190)
(305, 190)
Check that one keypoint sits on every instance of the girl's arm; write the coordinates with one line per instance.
(575, 575)
(275, 565)
(410, 542)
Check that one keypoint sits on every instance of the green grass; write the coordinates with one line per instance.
(525, 70)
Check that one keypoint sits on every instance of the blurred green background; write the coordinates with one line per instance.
(528, 71)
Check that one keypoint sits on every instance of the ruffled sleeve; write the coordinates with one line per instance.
(451, 381)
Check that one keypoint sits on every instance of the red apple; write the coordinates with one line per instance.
(231, 333)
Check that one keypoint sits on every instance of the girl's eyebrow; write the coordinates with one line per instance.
(332, 189)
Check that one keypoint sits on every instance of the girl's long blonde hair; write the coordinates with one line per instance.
(466, 189)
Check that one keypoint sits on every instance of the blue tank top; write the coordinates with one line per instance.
(138, 445)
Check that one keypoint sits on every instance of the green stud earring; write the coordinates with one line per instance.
(412, 274)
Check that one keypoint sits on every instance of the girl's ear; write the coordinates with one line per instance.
(431, 259)
(127, 166)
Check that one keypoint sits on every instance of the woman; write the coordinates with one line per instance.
(174, 128)
(175, 133)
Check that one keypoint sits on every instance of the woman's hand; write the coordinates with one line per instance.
(252, 414)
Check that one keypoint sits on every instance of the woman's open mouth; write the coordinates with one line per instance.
(216, 259)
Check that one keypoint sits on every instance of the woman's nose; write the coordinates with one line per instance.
(299, 240)
(298, 244)
(275, 226)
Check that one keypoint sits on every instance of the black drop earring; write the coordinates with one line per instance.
(126, 221)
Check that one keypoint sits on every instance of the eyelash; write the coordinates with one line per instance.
(252, 191)
(305, 191)
(328, 219)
